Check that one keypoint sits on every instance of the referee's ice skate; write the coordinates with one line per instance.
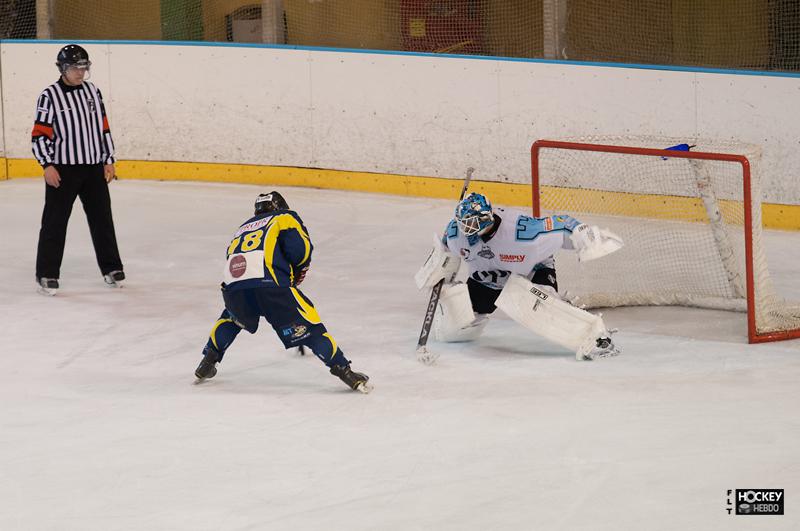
(47, 286)
(114, 279)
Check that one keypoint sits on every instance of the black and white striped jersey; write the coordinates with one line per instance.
(71, 126)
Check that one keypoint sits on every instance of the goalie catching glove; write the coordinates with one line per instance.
(592, 242)
(441, 264)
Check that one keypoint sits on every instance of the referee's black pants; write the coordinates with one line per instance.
(88, 183)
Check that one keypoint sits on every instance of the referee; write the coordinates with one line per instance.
(72, 142)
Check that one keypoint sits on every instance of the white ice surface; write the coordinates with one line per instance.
(101, 427)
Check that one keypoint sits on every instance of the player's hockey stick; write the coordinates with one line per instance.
(423, 354)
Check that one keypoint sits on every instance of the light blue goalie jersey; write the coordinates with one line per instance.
(521, 243)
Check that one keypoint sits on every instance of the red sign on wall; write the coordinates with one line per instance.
(443, 26)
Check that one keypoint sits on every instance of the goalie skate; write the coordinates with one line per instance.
(604, 348)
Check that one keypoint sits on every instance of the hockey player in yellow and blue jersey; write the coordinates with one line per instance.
(268, 258)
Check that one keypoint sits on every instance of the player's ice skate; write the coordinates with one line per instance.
(355, 380)
(208, 365)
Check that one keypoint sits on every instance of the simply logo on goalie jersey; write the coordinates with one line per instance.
(512, 257)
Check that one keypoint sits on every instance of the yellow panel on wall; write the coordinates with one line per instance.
(620, 30)
(514, 28)
(107, 19)
(371, 24)
(728, 33)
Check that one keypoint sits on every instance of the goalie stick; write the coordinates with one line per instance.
(423, 355)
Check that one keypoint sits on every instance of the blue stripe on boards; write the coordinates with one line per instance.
(416, 54)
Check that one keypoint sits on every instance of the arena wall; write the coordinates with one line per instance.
(388, 122)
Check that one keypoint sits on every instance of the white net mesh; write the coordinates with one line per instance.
(682, 220)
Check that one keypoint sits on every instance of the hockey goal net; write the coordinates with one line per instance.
(691, 222)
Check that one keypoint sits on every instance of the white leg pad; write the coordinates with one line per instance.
(454, 320)
(550, 317)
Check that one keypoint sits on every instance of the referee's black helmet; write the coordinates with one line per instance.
(72, 55)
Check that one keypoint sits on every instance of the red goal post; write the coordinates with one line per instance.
(697, 218)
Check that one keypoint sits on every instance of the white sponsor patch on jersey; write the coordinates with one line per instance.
(253, 225)
(244, 266)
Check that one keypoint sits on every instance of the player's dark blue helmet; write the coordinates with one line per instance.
(474, 214)
(270, 203)
(73, 56)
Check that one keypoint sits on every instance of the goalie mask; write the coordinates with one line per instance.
(270, 203)
(474, 214)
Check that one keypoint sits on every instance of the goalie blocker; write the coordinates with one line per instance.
(556, 320)
(440, 265)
